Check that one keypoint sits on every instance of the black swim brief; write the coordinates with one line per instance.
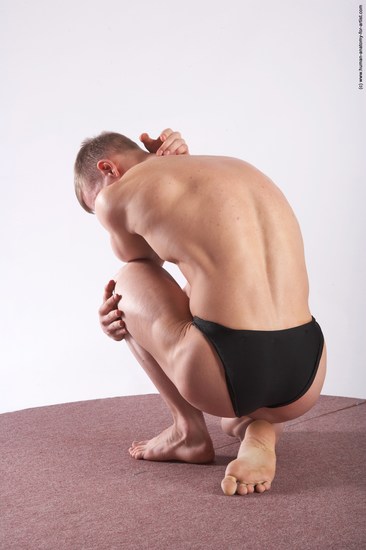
(266, 368)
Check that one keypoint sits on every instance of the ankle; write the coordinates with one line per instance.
(261, 433)
(236, 427)
(186, 425)
(194, 434)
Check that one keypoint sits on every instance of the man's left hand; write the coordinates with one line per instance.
(168, 143)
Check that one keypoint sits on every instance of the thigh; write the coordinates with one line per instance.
(202, 376)
(155, 308)
(157, 316)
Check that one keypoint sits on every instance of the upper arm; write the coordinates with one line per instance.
(126, 246)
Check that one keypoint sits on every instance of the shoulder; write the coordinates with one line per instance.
(108, 207)
(113, 200)
(104, 201)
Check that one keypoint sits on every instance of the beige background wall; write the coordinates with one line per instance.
(275, 83)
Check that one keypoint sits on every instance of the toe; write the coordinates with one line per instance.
(250, 488)
(228, 485)
(138, 454)
(260, 488)
(242, 489)
(138, 444)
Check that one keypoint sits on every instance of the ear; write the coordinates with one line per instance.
(108, 168)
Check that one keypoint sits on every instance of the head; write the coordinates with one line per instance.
(99, 163)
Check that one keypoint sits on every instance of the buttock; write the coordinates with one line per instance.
(266, 368)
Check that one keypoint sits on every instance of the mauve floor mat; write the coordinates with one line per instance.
(68, 482)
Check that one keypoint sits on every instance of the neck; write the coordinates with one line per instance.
(132, 158)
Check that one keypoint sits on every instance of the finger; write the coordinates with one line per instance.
(178, 147)
(108, 290)
(165, 134)
(146, 139)
(168, 143)
(152, 145)
(182, 149)
(109, 305)
(168, 135)
(114, 327)
(120, 335)
(172, 147)
(113, 316)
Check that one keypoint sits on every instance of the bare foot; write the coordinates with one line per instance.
(255, 467)
(194, 446)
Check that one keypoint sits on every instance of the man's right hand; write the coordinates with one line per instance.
(110, 317)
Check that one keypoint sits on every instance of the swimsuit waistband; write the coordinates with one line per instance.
(201, 322)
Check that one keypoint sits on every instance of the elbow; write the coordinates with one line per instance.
(154, 259)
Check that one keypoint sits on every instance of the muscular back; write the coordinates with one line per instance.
(228, 228)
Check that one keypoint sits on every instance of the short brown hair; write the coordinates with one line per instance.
(86, 173)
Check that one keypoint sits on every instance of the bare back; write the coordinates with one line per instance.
(228, 228)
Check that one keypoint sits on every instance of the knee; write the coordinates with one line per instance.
(128, 268)
(131, 273)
